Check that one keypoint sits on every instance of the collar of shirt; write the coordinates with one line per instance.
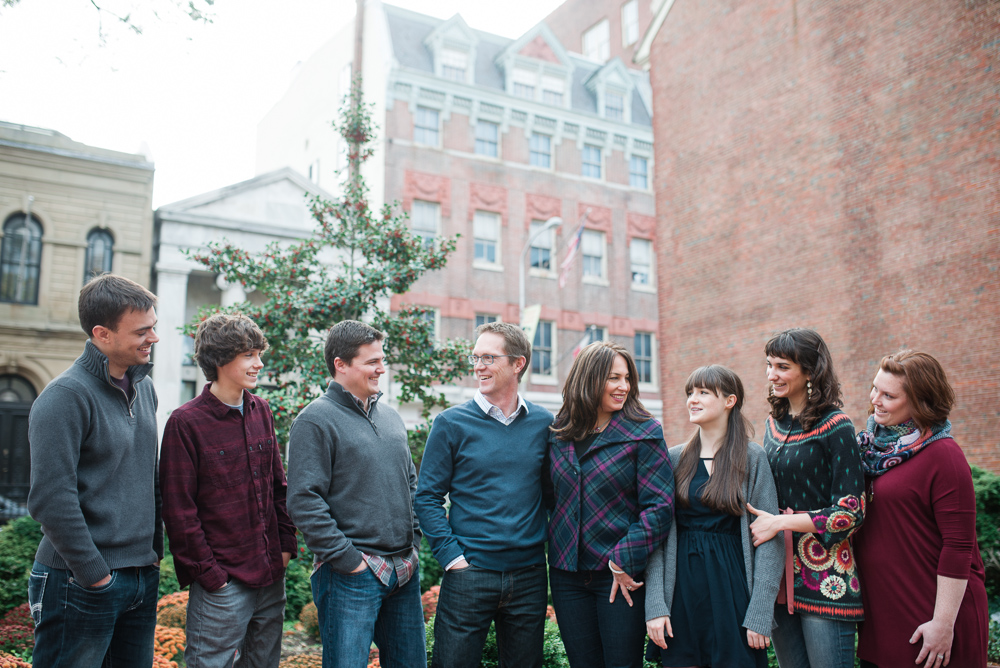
(495, 412)
(371, 402)
(220, 409)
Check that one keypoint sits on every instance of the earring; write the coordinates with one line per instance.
(809, 388)
(770, 390)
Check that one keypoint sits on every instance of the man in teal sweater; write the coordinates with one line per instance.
(486, 455)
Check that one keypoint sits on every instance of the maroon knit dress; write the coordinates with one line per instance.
(920, 523)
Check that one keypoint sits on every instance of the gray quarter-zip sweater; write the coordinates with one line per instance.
(93, 470)
(351, 480)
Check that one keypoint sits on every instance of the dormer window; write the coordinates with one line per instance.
(453, 47)
(597, 42)
(524, 83)
(454, 65)
(614, 105)
(552, 91)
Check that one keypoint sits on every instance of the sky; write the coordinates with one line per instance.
(187, 94)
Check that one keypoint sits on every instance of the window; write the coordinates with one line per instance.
(591, 161)
(638, 172)
(541, 150)
(644, 356)
(614, 106)
(541, 247)
(424, 217)
(552, 91)
(630, 22)
(486, 138)
(641, 256)
(430, 316)
(524, 90)
(187, 351)
(597, 42)
(100, 248)
(595, 333)
(189, 390)
(542, 350)
(454, 65)
(552, 97)
(524, 82)
(486, 231)
(20, 259)
(486, 318)
(425, 127)
(592, 245)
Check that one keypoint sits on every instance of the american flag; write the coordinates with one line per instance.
(574, 245)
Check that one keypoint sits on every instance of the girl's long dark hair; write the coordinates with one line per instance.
(807, 348)
(584, 390)
(724, 490)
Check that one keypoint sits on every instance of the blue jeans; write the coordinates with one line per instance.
(356, 608)
(472, 598)
(809, 641)
(89, 627)
(596, 633)
(236, 618)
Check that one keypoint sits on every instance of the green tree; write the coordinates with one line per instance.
(355, 259)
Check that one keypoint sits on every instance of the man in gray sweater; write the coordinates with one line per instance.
(92, 435)
(351, 483)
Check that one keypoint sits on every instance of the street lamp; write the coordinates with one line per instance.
(550, 224)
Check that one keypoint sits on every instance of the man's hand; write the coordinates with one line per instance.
(459, 565)
(286, 557)
(103, 581)
(362, 566)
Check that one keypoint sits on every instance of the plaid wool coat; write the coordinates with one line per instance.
(614, 504)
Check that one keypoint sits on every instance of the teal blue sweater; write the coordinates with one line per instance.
(492, 475)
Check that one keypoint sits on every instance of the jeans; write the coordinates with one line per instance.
(356, 608)
(808, 641)
(89, 627)
(235, 619)
(596, 633)
(472, 598)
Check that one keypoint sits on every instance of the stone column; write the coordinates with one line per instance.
(171, 289)
(232, 293)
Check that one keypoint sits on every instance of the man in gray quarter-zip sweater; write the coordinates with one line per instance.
(351, 483)
(92, 435)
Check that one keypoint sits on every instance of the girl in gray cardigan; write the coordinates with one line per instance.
(711, 593)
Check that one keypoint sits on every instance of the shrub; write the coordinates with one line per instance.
(430, 569)
(993, 648)
(169, 642)
(17, 639)
(11, 661)
(373, 661)
(19, 616)
(429, 600)
(298, 587)
(160, 662)
(310, 619)
(171, 610)
(305, 660)
(168, 575)
(987, 487)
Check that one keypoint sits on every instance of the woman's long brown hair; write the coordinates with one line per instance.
(807, 348)
(724, 490)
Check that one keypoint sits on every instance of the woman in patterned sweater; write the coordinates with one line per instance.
(817, 470)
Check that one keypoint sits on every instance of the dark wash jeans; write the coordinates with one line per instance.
(596, 633)
(356, 608)
(88, 627)
(472, 598)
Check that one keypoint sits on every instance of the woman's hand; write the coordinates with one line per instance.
(938, 637)
(757, 641)
(624, 582)
(765, 527)
(656, 627)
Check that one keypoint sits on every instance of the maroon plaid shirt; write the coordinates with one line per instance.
(223, 488)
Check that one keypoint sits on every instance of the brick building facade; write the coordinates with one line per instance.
(833, 165)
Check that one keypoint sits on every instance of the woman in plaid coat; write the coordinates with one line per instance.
(610, 496)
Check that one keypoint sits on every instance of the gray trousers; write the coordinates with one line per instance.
(235, 622)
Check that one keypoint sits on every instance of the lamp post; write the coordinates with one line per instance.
(550, 224)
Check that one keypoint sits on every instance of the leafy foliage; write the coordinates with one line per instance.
(18, 542)
(430, 569)
(298, 586)
(987, 487)
(355, 259)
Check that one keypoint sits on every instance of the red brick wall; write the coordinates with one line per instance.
(833, 165)
(571, 19)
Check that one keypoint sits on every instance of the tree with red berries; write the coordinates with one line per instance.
(355, 259)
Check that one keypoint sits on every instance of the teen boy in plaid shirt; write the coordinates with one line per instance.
(224, 504)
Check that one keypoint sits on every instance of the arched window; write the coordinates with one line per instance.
(16, 396)
(20, 259)
(100, 248)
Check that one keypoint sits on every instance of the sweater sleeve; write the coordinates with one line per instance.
(311, 458)
(845, 512)
(436, 469)
(768, 557)
(57, 425)
(953, 501)
(661, 572)
(655, 491)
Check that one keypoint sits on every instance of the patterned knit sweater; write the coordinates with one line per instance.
(819, 471)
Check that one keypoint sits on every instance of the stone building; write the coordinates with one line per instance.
(67, 211)
(489, 138)
(833, 165)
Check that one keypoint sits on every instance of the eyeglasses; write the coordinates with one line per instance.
(486, 359)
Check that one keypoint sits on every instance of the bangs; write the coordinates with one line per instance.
(782, 345)
(708, 377)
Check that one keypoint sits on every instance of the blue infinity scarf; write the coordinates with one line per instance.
(885, 447)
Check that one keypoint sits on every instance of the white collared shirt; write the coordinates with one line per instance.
(495, 412)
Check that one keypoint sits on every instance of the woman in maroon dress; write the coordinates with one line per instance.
(922, 579)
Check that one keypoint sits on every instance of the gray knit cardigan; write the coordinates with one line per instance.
(764, 564)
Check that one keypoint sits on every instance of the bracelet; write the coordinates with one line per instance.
(615, 570)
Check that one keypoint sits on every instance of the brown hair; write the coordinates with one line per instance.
(344, 339)
(807, 348)
(724, 490)
(928, 392)
(584, 389)
(106, 298)
(223, 336)
(515, 342)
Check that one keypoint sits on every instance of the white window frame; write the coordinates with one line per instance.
(484, 318)
(634, 245)
(550, 378)
(549, 237)
(424, 231)
(614, 113)
(597, 42)
(551, 87)
(483, 143)
(433, 316)
(630, 23)
(588, 166)
(595, 333)
(454, 65)
(651, 384)
(601, 239)
(634, 175)
(483, 263)
(419, 130)
(532, 152)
